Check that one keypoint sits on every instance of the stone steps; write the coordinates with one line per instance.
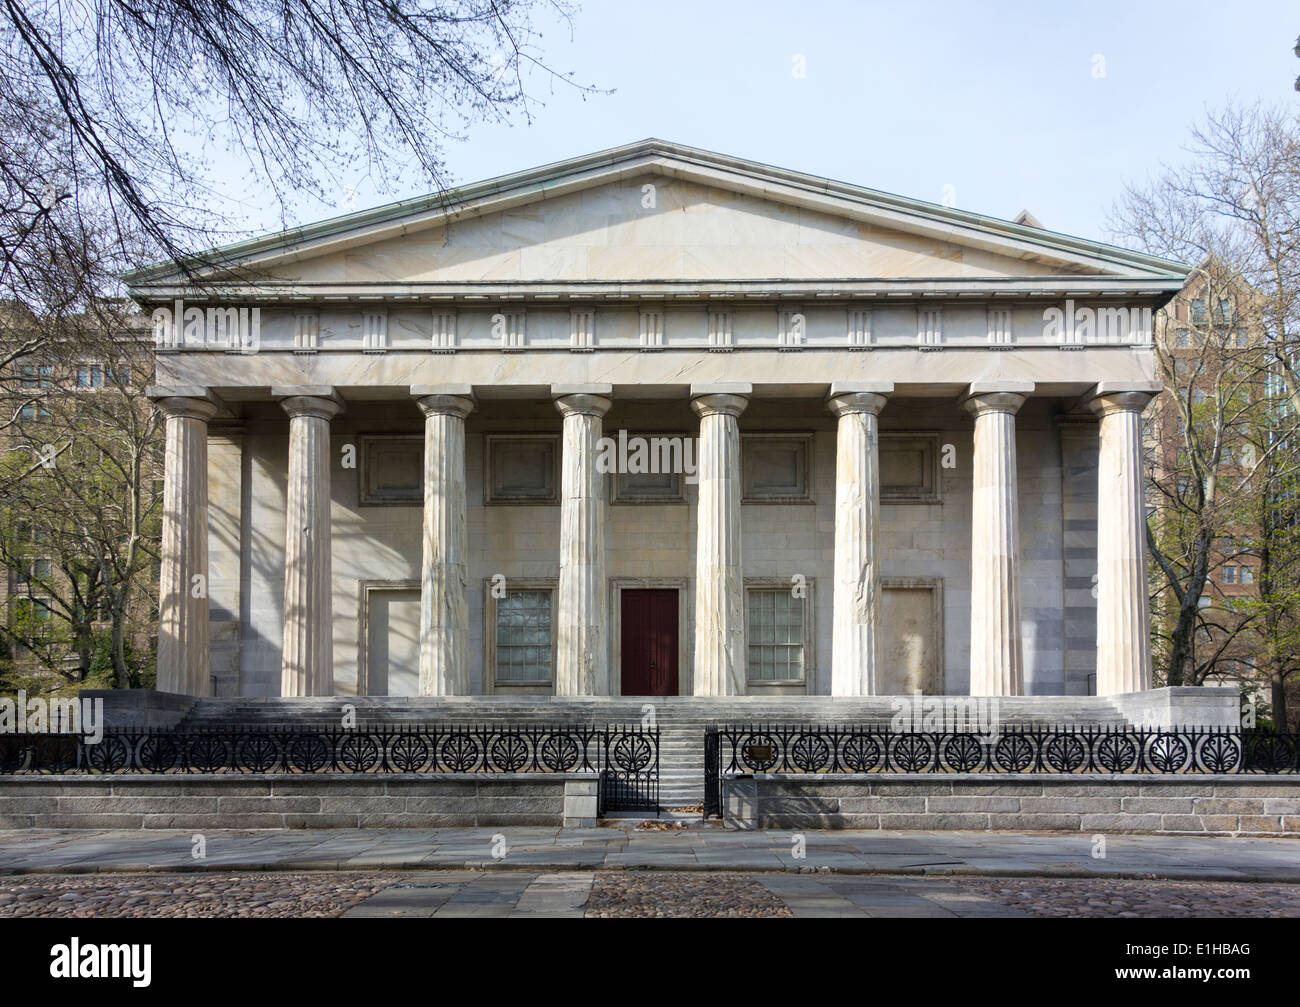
(690, 714)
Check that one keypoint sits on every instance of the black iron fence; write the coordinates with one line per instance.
(625, 757)
(803, 748)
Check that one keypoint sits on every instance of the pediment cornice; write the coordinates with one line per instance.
(717, 171)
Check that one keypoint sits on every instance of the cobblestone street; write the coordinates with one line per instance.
(614, 894)
(622, 872)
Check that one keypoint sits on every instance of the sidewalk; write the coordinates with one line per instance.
(978, 854)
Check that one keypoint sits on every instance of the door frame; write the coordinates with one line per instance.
(935, 586)
(365, 587)
(617, 585)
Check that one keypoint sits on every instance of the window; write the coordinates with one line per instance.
(38, 377)
(34, 378)
(666, 455)
(90, 376)
(523, 652)
(1229, 574)
(38, 570)
(32, 616)
(1198, 311)
(1246, 575)
(1239, 339)
(391, 469)
(776, 468)
(1183, 338)
(778, 635)
(1227, 315)
(521, 469)
(909, 468)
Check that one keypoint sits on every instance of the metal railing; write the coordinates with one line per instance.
(625, 756)
(804, 748)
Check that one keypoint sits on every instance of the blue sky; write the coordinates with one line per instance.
(1001, 101)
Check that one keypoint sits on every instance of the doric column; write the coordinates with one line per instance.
(996, 655)
(1123, 612)
(183, 662)
(719, 585)
(307, 666)
(582, 659)
(444, 571)
(855, 640)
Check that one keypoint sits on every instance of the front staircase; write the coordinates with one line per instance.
(681, 720)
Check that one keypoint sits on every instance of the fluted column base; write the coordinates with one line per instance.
(183, 661)
(582, 640)
(444, 571)
(307, 664)
(856, 602)
(719, 668)
(996, 648)
(1123, 608)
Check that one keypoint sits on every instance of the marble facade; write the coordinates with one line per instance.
(955, 453)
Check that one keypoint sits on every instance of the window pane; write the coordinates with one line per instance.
(776, 633)
(523, 637)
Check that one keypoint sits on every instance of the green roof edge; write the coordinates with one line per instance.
(543, 175)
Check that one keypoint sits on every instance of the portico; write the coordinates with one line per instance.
(886, 434)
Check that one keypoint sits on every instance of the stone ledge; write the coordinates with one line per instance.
(1131, 804)
(282, 801)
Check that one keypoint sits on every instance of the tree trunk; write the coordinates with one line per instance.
(1278, 681)
(121, 673)
(1180, 645)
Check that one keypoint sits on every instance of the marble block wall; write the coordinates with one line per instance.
(654, 544)
(225, 562)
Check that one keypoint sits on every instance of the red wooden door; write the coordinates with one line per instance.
(649, 642)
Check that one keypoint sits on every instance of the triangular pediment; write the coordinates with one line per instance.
(654, 212)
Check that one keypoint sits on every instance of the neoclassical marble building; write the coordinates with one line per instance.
(901, 445)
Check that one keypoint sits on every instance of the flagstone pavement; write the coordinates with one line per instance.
(611, 872)
(984, 854)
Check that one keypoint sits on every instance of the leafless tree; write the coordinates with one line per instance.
(1228, 358)
(138, 97)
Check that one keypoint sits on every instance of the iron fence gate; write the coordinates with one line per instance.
(629, 779)
(624, 757)
(793, 748)
(712, 774)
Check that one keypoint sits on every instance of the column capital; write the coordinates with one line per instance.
(885, 388)
(724, 399)
(444, 400)
(583, 400)
(1113, 397)
(186, 401)
(459, 391)
(996, 396)
(844, 403)
(320, 401)
(742, 388)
